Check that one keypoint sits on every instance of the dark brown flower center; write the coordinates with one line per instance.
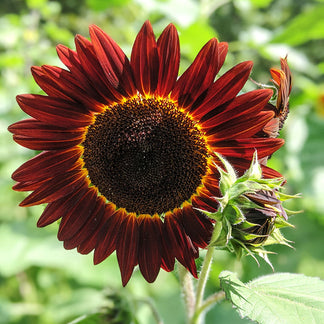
(145, 155)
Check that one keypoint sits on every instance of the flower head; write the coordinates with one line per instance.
(128, 147)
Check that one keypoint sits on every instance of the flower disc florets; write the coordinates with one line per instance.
(145, 155)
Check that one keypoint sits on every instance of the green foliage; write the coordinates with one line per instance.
(307, 26)
(40, 282)
(99, 5)
(116, 310)
(284, 298)
(260, 3)
(200, 32)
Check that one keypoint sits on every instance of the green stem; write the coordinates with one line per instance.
(212, 299)
(187, 290)
(203, 277)
(155, 313)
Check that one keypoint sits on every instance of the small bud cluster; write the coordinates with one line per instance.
(250, 212)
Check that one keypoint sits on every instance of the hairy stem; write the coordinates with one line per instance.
(212, 299)
(188, 290)
(204, 274)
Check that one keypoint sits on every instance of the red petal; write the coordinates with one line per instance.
(245, 148)
(73, 220)
(47, 164)
(224, 89)
(32, 183)
(145, 60)
(89, 228)
(168, 257)
(90, 239)
(149, 248)
(54, 111)
(200, 202)
(27, 185)
(200, 74)
(94, 71)
(71, 60)
(106, 239)
(38, 144)
(127, 247)
(198, 227)
(168, 260)
(56, 188)
(60, 207)
(211, 183)
(34, 128)
(270, 173)
(80, 65)
(57, 82)
(247, 104)
(206, 197)
(240, 127)
(37, 135)
(179, 242)
(113, 61)
(271, 129)
(169, 59)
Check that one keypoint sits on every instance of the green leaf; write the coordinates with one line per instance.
(283, 298)
(306, 26)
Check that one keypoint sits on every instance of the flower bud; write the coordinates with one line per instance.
(259, 221)
(250, 212)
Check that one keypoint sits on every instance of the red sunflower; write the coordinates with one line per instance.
(128, 147)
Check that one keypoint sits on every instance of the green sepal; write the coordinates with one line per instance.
(284, 197)
(233, 214)
(244, 202)
(254, 172)
(227, 177)
(216, 232)
(280, 222)
(272, 183)
(217, 216)
(276, 237)
(293, 212)
(220, 236)
(248, 237)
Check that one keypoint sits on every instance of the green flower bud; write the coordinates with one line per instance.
(259, 221)
(250, 212)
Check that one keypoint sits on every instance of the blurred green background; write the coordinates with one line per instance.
(40, 282)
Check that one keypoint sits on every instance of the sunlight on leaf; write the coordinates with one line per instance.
(277, 298)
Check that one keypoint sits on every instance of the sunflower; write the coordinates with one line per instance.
(128, 148)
